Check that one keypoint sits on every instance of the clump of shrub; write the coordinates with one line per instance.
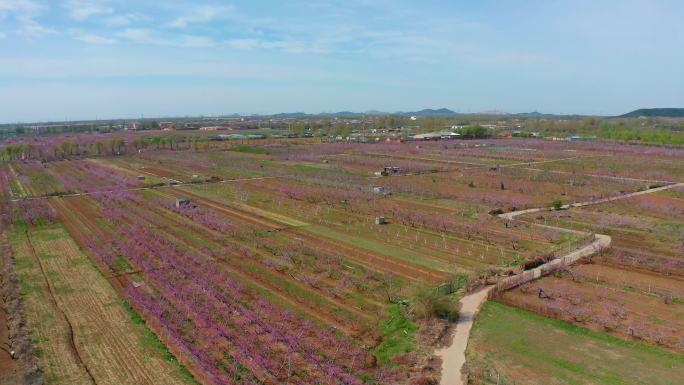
(557, 204)
(536, 262)
(459, 281)
(438, 302)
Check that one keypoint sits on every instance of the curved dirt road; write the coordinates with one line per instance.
(514, 214)
(453, 356)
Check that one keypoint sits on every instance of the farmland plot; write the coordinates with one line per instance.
(81, 329)
(226, 311)
(634, 290)
(276, 272)
(510, 345)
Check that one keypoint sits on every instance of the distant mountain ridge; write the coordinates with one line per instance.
(424, 112)
(655, 112)
(430, 112)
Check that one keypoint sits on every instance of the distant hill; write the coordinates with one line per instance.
(290, 115)
(656, 112)
(431, 112)
(423, 113)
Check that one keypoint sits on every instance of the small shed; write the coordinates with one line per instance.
(387, 170)
(378, 190)
(182, 202)
(141, 177)
(380, 221)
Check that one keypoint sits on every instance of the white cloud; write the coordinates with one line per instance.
(201, 14)
(84, 9)
(24, 12)
(138, 35)
(91, 38)
(150, 36)
(25, 9)
(195, 41)
(2, 35)
(33, 29)
(243, 43)
(127, 19)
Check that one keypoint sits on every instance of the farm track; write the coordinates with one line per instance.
(454, 355)
(142, 188)
(476, 166)
(404, 269)
(435, 253)
(431, 160)
(232, 211)
(512, 215)
(368, 259)
(479, 243)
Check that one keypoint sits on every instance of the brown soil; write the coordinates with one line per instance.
(641, 281)
(616, 303)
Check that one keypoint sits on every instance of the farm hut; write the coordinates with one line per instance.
(141, 177)
(380, 221)
(378, 190)
(387, 170)
(182, 202)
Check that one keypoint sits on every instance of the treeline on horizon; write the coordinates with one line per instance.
(645, 130)
(648, 131)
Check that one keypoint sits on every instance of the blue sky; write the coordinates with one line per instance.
(84, 59)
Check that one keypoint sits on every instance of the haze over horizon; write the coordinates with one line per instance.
(86, 59)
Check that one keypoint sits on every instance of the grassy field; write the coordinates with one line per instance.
(525, 348)
(83, 332)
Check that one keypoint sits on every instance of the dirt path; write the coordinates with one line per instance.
(453, 356)
(174, 185)
(514, 214)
